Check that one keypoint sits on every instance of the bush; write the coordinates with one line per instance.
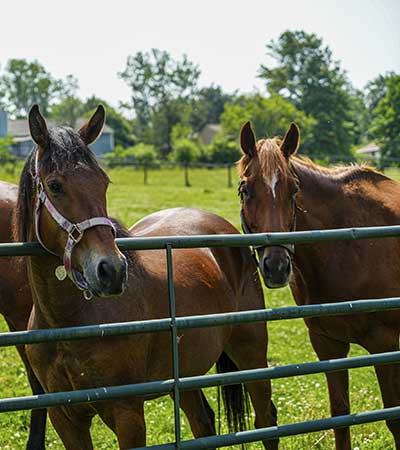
(184, 151)
(141, 154)
(222, 150)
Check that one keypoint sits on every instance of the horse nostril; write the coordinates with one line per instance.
(264, 265)
(105, 271)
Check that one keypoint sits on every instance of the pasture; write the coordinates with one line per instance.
(297, 399)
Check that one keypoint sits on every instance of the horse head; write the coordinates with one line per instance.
(268, 190)
(62, 204)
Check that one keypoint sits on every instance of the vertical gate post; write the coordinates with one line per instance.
(175, 351)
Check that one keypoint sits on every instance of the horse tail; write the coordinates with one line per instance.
(235, 398)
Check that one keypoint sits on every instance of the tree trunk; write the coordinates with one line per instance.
(229, 176)
(186, 169)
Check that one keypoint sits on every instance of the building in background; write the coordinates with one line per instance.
(19, 130)
(371, 150)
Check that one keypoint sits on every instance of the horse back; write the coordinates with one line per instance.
(233, 266)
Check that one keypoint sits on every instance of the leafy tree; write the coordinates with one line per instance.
(269, 117)
(308, 77)
(185, 152)
(223, 150)
(25, 83)
(208, 106)
(375, 91)
(69, 107)
(161, 89)
(123, 128)
(385, 127)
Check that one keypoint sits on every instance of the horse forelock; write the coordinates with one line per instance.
(268, 163)
(66, 151)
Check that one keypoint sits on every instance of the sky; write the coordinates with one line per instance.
(227, 39)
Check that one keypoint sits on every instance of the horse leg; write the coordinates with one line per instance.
(37, 428)
(387, 340)
(126, 419)
(247, 348)
(338, 383)
(199, 413)
(73, 429)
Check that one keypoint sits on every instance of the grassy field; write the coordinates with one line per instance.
(297, 399)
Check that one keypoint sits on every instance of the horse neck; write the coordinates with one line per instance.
(321, 200)
(57, 303)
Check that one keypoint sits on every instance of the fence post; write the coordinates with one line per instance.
(175, 350)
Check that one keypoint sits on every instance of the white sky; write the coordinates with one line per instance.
(91, 39)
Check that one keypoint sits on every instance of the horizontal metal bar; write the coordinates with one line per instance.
(196, 382)
(207, 320)
(224, 240)
(282, 430)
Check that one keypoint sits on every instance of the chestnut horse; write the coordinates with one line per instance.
(280, 192)
(16, 304)
(62, 187)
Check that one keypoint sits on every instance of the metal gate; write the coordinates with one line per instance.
(174, 324)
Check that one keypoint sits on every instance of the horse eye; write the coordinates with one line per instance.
(244, 191)
(55, 186)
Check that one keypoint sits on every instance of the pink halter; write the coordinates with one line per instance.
(75, 233)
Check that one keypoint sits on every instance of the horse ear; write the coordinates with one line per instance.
(38, 127)
(90, 131)
(248, 140)
(291, 141)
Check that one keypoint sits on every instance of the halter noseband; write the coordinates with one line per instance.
(246, 230)
(75, 233)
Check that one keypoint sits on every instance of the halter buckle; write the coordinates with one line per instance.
(75, 234)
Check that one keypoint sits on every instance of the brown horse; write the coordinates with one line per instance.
(281, 192)
(61, 180)
(16, 304)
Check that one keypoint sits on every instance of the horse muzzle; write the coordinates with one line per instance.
(107, 276)
(275, 267)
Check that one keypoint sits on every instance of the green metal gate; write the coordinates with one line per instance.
(174, 324)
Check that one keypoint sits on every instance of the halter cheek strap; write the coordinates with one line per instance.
(75, 232)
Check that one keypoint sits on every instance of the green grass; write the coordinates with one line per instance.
(297, 399)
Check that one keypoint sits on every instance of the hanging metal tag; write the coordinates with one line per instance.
(61, 273)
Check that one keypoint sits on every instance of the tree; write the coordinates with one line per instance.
(161, 88)
(208, 106)
(69, 107)
(223, 150)
(25, 83)
(269, 117)
(185, 151)
(309, 78)
(385, 127)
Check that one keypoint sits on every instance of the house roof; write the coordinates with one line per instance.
(208, 132)
(20, 127)
(368, 149)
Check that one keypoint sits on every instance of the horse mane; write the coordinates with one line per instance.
(272, 161)
(340, 174)
(65, 151)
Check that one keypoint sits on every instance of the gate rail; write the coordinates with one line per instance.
(175, 323)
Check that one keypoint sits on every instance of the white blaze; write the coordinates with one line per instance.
(271, 182)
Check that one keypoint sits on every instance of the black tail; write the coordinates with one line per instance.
(235, 397)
